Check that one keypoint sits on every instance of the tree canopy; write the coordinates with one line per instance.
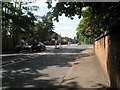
(43, 28)
(98, 17)
(19, 22)
(15, 19)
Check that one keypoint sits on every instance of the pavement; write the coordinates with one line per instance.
(86, 72)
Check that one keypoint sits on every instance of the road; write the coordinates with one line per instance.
(39, 70)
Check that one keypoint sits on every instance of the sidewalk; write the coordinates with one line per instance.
(86, 72)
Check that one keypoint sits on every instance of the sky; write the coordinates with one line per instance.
(65, 27)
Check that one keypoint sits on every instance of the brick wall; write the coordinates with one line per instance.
(101, 50)
(107, 48)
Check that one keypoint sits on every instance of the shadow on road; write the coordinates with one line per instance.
(30, 73)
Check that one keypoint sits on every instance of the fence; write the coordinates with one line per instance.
(7, 44)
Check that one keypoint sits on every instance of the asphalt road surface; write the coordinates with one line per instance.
(40, 69)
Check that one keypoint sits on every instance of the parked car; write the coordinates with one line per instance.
(38, 47)
(22, 48)
(78, 43)
(46, 42)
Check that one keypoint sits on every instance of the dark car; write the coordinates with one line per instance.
(38, 47)
(46, 42)
(22, 48)
(78, 43)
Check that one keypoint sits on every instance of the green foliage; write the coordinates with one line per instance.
(98, 17)
(70, 9)
(86, 28)
(43, 29)
(47, 20)
(19, 23)
(15, 21)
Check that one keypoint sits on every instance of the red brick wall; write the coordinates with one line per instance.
(108, 51)
(101, 50)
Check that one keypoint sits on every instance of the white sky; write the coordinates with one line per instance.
(65, 26)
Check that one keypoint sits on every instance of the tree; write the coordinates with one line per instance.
(97, 18)
(16, 21)
(86, 30)
(43, 28)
